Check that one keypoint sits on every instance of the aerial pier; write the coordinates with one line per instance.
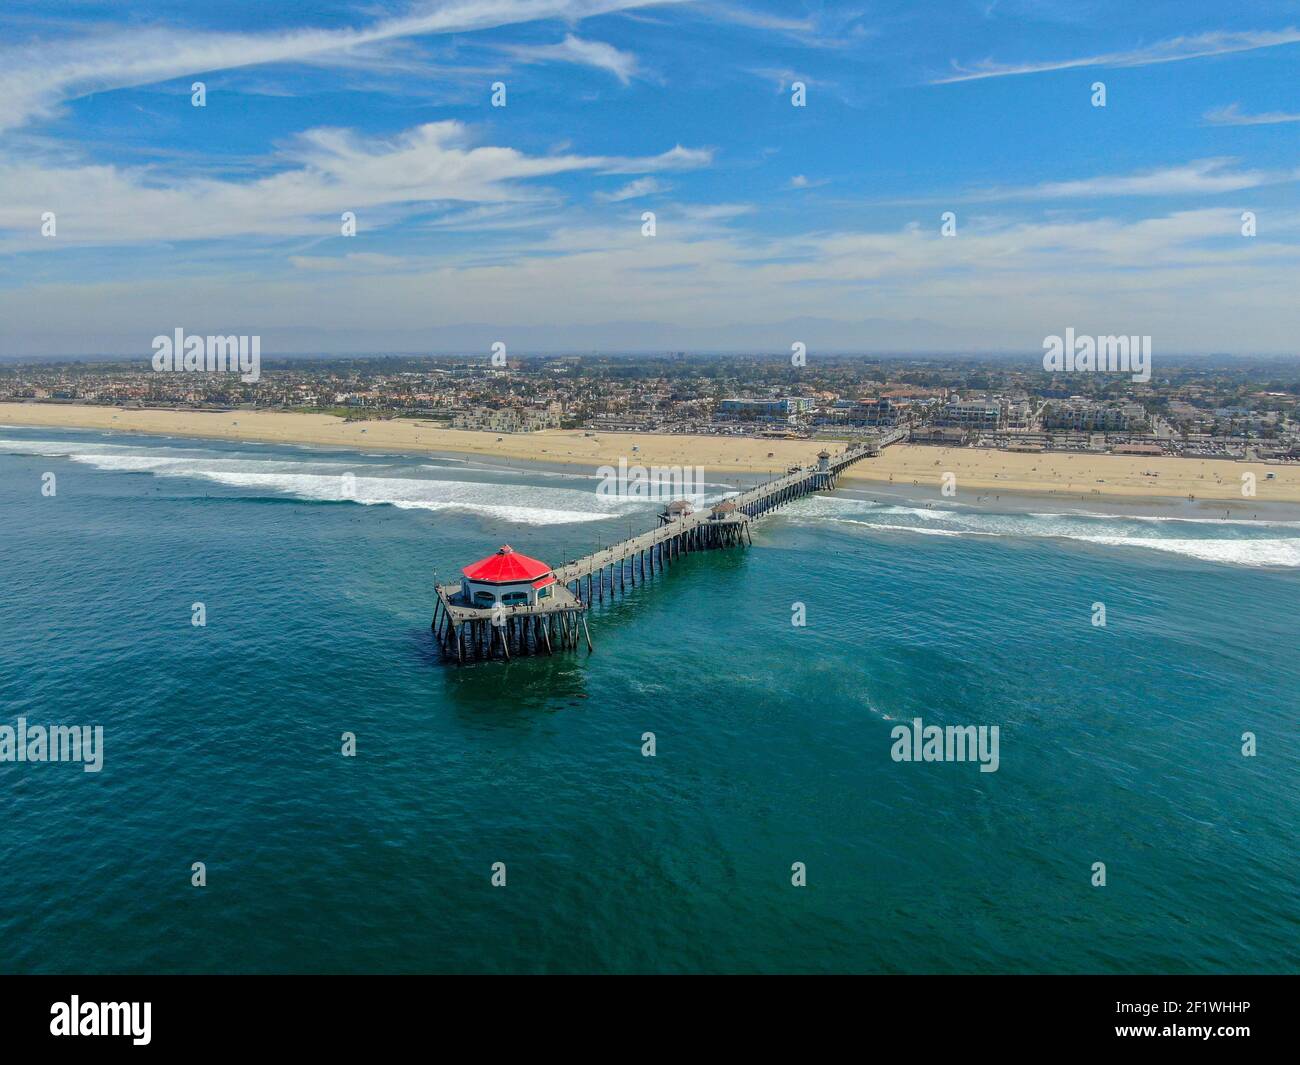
(510, 605)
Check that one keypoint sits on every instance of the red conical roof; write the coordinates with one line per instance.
(507, 566)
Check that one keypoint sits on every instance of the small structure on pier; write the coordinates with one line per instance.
(508, 578)
(722, 511)
(823, 476)
(676, 511)
(508, 603)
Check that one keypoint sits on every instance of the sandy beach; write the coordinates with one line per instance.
(1048, 473)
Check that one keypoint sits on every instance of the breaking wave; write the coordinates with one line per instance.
(1231, 541)
(321, 479)
(570, 498)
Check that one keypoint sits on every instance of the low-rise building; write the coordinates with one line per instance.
(506, 419)
(784, 410)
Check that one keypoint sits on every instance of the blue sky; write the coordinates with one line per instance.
(774, 223)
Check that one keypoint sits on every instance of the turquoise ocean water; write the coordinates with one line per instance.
(1118, 744)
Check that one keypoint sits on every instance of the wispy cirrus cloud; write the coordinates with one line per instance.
(323, 172)
(38, 75)
(1200, 177)
(676, 158)
(758, 20)
(1173, 50)
(715, 212)
(597, 54)
(827, 29)
(1232, 116)
(646, 186)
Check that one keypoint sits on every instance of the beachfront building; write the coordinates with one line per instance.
(507, 577)
(1022, 413)
(784, 411)
(974, 412)
(1087, 415)
(874, 412)
(947, 435)
(508, 419)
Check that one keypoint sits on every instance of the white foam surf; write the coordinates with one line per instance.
(323, 481)
(1230, 542)
(1160, 518)
(1283, 552)
(1226, 541)
(517, 503)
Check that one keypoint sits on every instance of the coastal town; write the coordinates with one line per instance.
(1247, 409)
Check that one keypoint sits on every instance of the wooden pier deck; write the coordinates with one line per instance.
(467, 632)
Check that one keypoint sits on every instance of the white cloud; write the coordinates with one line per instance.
(1201, 177)
(676, 158)
(827, 29)
(759, 20)
(325, 172)
(1168, 51)
(646, 186)
(715, 212)
(1233, 116)
(781, 77)
(35, 76)
(1201, 285)
(573, 49)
